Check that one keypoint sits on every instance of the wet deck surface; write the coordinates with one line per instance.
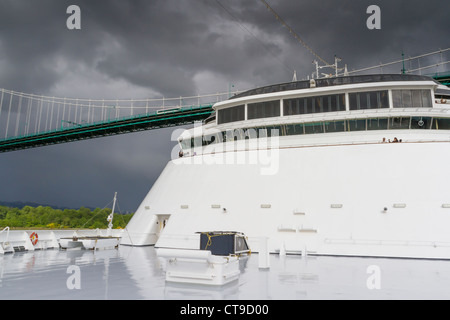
(136, 273)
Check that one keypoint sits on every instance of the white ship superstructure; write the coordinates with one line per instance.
(354, 165)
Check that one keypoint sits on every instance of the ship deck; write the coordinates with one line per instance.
(137, 273)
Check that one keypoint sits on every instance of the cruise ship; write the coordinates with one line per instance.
(343, 166)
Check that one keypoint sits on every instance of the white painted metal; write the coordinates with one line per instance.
(99, 243)
(111, 216)
(199, 267)
(19, 240)
(5, 245)
(343, 193)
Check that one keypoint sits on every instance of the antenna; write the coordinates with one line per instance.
(334, 66)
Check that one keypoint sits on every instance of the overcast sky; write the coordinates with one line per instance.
(171, 48)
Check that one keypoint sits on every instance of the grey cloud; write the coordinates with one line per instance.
(173, 48)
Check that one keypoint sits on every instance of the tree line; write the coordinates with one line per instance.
(47, 217)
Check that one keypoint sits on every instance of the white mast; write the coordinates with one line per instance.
(111, 216)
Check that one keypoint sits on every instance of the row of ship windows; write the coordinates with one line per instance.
(319, 127)
(327, 103)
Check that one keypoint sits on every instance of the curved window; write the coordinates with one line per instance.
(294, 129)
(411, 98)
(315, 127)
(264, 109)
(185, 143)
(328, 103)
(441, 124)
(231, 114)
(349, 125)
(420, 123)
(369, 100)
(356, 125)
(399, 123)
(377, 124)
(209, 139)
(334, 126)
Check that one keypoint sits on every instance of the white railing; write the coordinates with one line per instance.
(7, 234)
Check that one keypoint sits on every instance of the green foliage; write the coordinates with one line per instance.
(47, 217)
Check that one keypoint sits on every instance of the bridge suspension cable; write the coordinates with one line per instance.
(409, 59)
(295, 35)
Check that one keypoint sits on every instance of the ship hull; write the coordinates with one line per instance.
(349, 199)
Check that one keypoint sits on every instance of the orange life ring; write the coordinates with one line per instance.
(34, 238)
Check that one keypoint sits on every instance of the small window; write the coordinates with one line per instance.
(416, 96)
(406, 98)
(318, 104)
(274, 131)
(231, 114)
(399, 123)
(377, 124)
(329, 103)
(261, 132)
(185, 144)
(228, 136)
(315, 127)
(209, 139)
(336, 102)
(198, 141)
(369, 100)
(363, 102)
(383, 99)
(420, 122)
(426, 99)
(310, 105)
(356, 125)
(411, 98)
(294, 129)
(251, 133)
(233, 135)
(239, 134)
(334, 126)
(241, 244)
(441, 124)
(293, 106)
(263, 109)
(397, 98)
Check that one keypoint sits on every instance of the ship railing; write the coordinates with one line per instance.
(385, 112)
(7, 234)
(5, 246)
(442, 101)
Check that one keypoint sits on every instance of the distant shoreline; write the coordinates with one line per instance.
(21, 204)
(48, 218)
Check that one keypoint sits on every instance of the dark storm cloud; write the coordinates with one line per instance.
(162, 45)
(173, 48)
(339, 28)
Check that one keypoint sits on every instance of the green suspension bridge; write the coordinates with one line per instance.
(29, 121)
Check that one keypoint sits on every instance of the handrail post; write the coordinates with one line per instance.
(7, 233)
